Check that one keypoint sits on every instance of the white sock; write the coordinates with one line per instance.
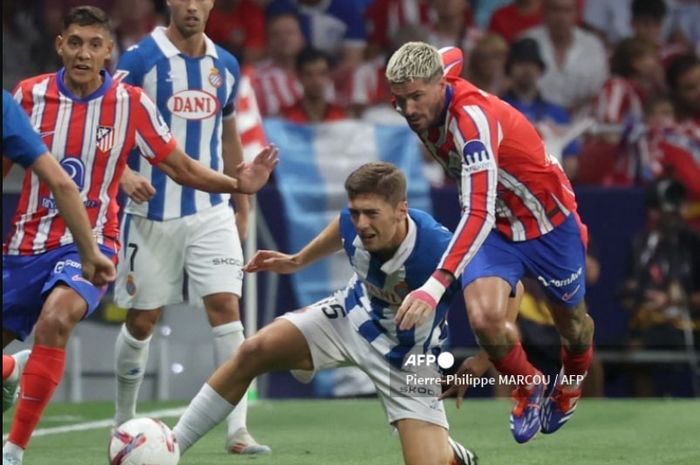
(130, 359)
(206, 410)
(13, 449)
(227, 338)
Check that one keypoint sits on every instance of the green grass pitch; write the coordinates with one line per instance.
(603, 432)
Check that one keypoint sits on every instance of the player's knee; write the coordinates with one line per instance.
(141, 324)
(55, 325)
(486, 324)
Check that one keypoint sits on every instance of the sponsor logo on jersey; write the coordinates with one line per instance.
(75, 169)
(193, 104)
(215, 78)
(105, 138)
(476, 156)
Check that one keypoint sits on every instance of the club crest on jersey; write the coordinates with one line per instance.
(105, 138)
(476, 156)
(215, 78)
(193, 104)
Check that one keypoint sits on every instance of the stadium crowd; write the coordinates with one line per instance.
(612, 87)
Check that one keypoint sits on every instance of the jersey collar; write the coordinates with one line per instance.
(170, 50)
(106, 84)
(401, 254)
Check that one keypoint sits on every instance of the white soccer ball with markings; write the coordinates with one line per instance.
(143, 441)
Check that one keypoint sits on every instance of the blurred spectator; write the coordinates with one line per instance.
(484, 9)
(275, 80)
(385, 18)
(576, 60)
(314, 71)
(611, 21)
(335, 27)
(19, 33)
(487, 64)
(453, 26)
(650, 21)
(248, 119)
(239, 27)
(685, 21)
(524, 68)
(636, 75)
(663, 285)
(132, 20)
(511, 20)
(679, 148)
(370, 89)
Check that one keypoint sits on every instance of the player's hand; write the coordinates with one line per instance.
(414, 310)
(472, 366)
(271, 260)
(136, 187)
(254, 175)
(98, 269)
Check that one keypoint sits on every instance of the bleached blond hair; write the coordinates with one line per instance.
(414, 61)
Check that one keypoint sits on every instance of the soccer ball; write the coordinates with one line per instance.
(143, 441)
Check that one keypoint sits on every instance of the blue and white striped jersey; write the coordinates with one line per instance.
(377, 288)
(193, 95)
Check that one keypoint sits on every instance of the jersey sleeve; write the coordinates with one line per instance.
(153, 136)
(131, 68)
(21, 143)
(476, 136)
(233, 73)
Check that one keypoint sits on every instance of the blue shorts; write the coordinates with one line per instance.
(27, 280)
(556, 260)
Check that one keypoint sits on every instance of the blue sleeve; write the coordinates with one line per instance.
(20, 142)
(233, 67)
(131, 67)
(350, 15)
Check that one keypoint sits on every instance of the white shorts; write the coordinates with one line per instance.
(156, 254)
(334, 342)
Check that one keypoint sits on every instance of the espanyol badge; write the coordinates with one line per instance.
(215, 78)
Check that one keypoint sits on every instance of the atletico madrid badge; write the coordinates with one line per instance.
(105, 138)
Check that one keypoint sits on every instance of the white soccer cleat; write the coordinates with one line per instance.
(463, 455)
(242, 443)
(10, 386)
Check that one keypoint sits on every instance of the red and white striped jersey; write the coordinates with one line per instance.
(385, 18)
(504, 174)
(275, 88)
(91, 137)
(248, 120)
(617, 102)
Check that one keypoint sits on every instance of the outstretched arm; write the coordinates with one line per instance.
(327, 242)
(96, 268)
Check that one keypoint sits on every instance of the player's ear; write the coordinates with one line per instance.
(402, 209)
(58, 43)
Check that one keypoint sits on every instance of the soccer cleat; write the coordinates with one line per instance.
(463, 455)
(10, 386)
(558, 408)
(242, 443)
(525, 416)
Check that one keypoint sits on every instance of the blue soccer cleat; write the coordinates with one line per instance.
(558, 408)
(525, 416)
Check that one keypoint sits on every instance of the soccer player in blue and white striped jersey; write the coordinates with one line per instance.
(392, 249)
(169, 229)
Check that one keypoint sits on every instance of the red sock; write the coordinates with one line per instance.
(8, 364)
(39, 380)
(576, 364)
(515, 363)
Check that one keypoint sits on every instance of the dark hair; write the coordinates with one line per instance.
(653, 9)
(626, 52)
(310, 55)
(86, 16)
(678, 67)
(380, 178)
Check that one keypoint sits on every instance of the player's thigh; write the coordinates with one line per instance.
(424, 443)
(151, 263)
(327, 331)
(281, 346)
(214, 258)
(557, 261)
(491, 277)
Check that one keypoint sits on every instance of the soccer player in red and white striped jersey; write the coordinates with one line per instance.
(90, 122)
(518, 215)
